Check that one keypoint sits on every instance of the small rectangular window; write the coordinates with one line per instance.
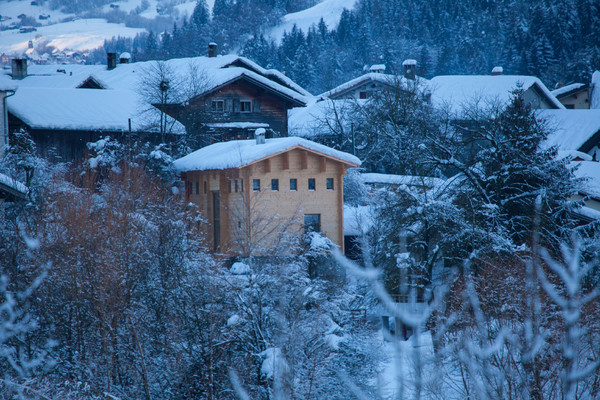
(256, 185)
(204, 187)
(218, 105)
(293, 184)
(312, 223)
(237, 185)
(329, 183)
(311, 184)
(197, 187)
(362, 95)
(275, 185)
(245, 106)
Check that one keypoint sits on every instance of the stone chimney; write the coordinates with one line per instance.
(497, 71)
(409, 68)
(19, 68)
(111, 61)
(212, 49)
(124, 58)
(259, 135)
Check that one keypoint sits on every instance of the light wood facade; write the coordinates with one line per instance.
(244, 221)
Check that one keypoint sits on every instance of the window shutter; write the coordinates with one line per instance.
(256, 106)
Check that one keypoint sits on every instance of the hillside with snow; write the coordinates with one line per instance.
(329, 10)
(79, 31)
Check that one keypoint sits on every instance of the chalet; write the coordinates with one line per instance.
(256, 194)
(220, 97)
(574, 130)
(575, 96)
(457, 93)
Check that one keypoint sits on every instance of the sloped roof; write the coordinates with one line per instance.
(386, 79)
(122, 98)
(240, 153)
(568, 90)
(459, 91)
(595, 100)
(590, 171)
(82, 109)
(12, 186)
(311, 121)
(571, 129)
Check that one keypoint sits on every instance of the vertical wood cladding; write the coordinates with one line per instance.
(266, 107)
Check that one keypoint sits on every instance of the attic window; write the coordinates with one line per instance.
(218, 105)
(362, 95)
(245, 106)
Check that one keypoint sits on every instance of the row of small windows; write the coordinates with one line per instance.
(245, 106)
(293, 184)
(237, 185)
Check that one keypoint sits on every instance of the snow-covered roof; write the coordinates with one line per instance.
(12, 186)
(240, 153)
(386, 79)
(120, 97)
(456, 92)
(590, 171)
(568, 89)
(595, 85)
(237, 125)
(82, 109)
(571, 129)
(6, 84)
(408, 180)
(312, 120)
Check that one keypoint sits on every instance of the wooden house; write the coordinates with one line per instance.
(257, 195)
(217, 98)
(575, 96)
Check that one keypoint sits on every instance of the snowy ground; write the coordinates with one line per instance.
(398, 378)
(83, 34)
(80, 34)
(329, 10)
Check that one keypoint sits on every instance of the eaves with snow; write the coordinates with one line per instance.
(458, 93)
(241, 153)
(572, 129)
(58, 97)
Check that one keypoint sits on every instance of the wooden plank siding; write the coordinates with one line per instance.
(266, 108)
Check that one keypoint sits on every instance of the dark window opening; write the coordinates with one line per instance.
(311, 184)
(312, 223)
(197, 187)
(204, 187)
(275, 185)
(329, 183)
(256, 185)
(218, 105)
(216, 220)
(293, 184)
(245, 106)
(362, 95)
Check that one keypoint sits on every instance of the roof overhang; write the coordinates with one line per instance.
(289, 99)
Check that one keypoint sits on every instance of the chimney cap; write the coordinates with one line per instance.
(497, 71)
(259, 135)
(378, 68)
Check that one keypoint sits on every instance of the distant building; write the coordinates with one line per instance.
(254, 192)
(574, 97)
(210, 98)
